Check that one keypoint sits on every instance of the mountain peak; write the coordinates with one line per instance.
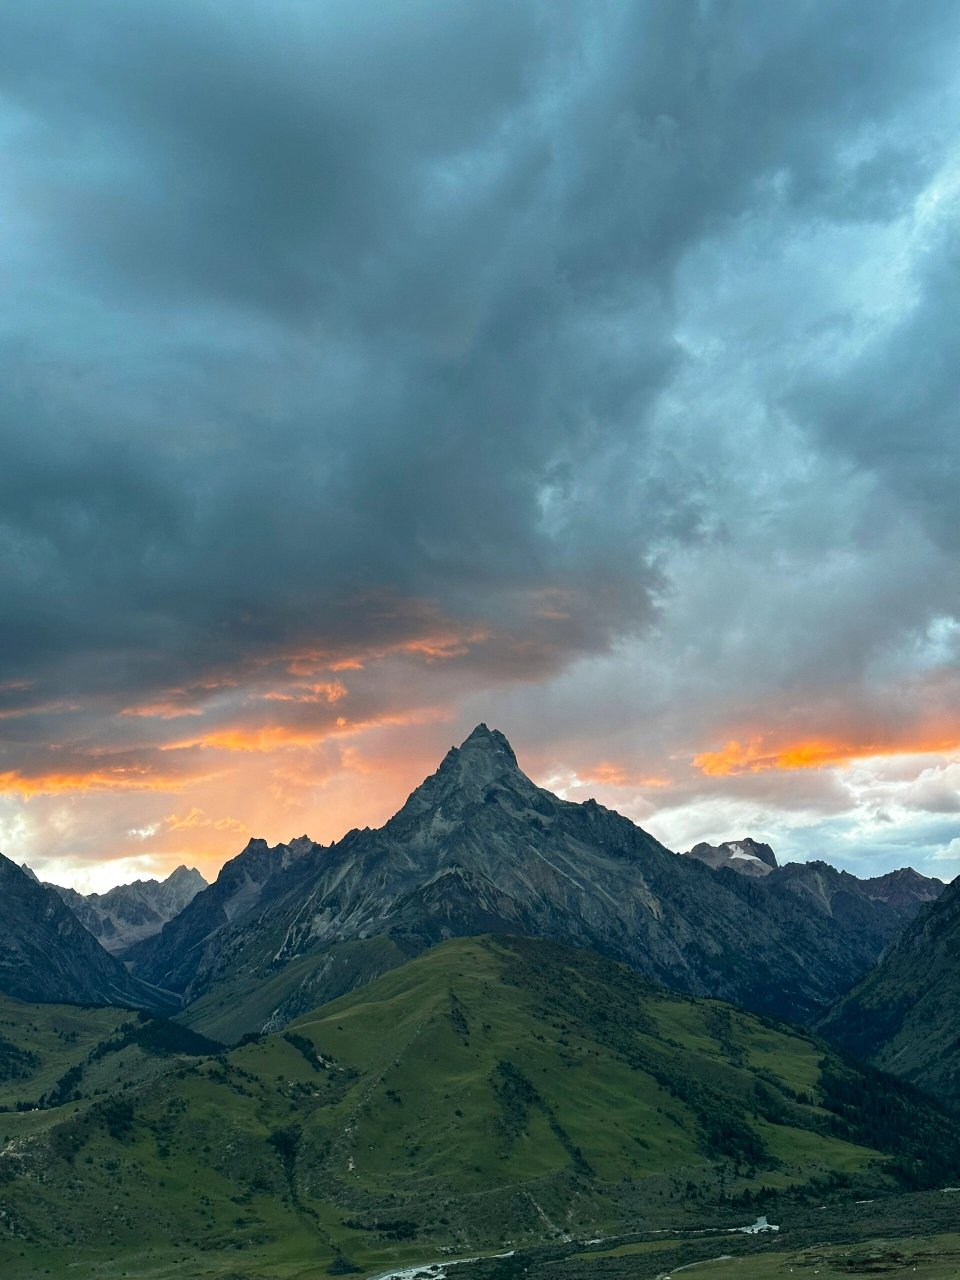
(185, 875)
(484, 757)
(746, 855)
(481, 758)
(491, 741)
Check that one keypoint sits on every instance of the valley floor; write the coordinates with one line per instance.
(915, 1236)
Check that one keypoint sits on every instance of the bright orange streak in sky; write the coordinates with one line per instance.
(267, 739)
(612, 774)
(757, 756)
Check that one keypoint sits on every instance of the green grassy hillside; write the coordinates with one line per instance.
(250, 999)
(52, 1054)
(491, 1093)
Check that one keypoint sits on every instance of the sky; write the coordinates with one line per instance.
(370, 370)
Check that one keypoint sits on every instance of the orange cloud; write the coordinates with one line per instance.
(328, 691)
(277, 736)
(38, 709)
(269, 738)
(125, 778)
(757, 755)
(196, 819)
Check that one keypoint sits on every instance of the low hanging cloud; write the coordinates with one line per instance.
(372, 370)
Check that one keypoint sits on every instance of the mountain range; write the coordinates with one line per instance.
(905, 891)
(478, 848)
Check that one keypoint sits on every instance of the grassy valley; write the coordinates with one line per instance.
(490, 1094)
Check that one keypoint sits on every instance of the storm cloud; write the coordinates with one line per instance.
(368, 370)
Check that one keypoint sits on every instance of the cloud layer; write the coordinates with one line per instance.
(371, 370)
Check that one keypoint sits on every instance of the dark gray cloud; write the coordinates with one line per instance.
(617, 334)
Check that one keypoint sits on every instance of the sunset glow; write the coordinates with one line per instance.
(368, 377)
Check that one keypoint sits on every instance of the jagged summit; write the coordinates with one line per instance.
(482, 757)
(485, 758)
(300, 845)
(184, 874)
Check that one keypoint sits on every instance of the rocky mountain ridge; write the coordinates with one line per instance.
(905, 890)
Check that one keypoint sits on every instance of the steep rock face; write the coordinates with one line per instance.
(748, 856)
(129, 913)
(47, 955)
(479, 848)
(905, 1014)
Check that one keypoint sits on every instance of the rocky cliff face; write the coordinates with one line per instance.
(46, 954)
(132, 912)
(478, 848)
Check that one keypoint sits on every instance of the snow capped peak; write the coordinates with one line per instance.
(746, 855)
